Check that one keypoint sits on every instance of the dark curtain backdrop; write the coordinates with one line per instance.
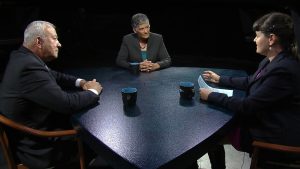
(215, 34)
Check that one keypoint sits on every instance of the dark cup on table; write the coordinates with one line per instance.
(135, 67)
(186, 90)
(129, 95)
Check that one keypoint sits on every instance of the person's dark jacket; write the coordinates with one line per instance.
(34, 95)
(271, 109)
(130, 51)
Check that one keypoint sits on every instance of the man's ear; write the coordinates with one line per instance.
(39, 42)
(134, 30)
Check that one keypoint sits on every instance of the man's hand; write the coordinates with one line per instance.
(92, 85)
(81, 83)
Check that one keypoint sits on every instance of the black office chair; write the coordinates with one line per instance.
(262, 161)
(6, 123)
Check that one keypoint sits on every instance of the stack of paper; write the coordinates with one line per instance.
(202, 84)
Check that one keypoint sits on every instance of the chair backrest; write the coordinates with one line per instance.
(6, 123)
(260, 146)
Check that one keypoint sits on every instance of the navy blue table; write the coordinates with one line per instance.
(162, 130)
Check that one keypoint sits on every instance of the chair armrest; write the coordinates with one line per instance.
(276, 147)
(39, 133)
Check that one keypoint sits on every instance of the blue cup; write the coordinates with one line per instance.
(186, 90)
(135, 67)
(129, 96)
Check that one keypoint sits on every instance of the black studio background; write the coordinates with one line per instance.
(201, 34)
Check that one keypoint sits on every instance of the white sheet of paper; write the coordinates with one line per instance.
(202, 84)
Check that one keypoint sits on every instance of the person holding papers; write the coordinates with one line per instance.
(270, 111)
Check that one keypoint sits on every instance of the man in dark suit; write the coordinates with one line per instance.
(34, 95)
(270, 112)
(143, 46)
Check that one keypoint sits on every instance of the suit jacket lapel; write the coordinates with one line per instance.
(267, 68)
(149, 44)
(136, 47)
(136, 42)
(258, 71)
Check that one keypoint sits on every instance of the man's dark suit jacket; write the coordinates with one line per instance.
(130, 51)
(33, 95)
(271, 109)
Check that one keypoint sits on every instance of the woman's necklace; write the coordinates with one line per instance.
(143, 45)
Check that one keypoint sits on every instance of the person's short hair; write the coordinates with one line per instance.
(35, 29)
(138, 19)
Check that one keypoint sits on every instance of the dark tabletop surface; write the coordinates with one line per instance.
(162, 130)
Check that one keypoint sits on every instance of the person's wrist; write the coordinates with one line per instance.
(218, 79)
(82, 82)
(156, 66)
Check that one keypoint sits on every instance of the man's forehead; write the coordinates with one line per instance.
(51, 30)
(143, 25)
